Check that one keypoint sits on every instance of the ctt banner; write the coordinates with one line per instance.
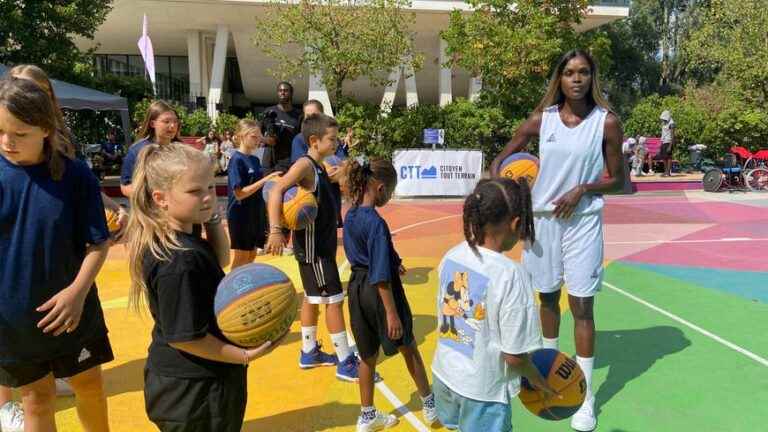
(437, 172)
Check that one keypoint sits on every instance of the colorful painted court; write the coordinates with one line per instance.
(682, 342)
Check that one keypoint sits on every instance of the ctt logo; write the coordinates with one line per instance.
(416, 172)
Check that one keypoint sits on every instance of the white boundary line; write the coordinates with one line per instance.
(706, 333)
(722, 240)
(383, 388)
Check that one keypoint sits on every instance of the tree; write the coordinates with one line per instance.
(42, 32)
(731, 46)
(340, 40)
(512, 45)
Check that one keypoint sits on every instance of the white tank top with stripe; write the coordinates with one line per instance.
(569, 157)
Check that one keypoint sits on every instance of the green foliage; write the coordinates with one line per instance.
(737, 127)
(467, 125)
(731, 46)
(196, 123)
(344, 39)
(42, 32)
(512, 45)
(225, 122)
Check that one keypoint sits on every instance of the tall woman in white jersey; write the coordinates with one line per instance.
(580, 152)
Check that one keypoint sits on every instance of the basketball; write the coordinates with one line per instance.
(112, 221)
(565, 376)
(332, 161)
(299, 206)
(254, 304)
(519, 165)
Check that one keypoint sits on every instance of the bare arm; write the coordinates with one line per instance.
(300, 173)
(243, 193)
(66, 307)
(212, 348)
(523, 135)
(394, 325)
(126, 190)
(522, 364)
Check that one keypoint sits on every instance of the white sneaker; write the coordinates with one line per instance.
(381, 421)
(288, 251)
(584, 420)
(11, 417)
(63, 388)
(429, 413)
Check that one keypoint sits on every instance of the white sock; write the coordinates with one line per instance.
(341, 345)
(550, 343)
(308, 338)
(586, 365)
(428, 401)
(368, 414)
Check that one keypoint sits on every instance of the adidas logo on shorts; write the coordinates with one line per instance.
(84, 355)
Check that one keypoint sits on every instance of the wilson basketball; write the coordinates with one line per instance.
(565, 376)
(519, 165)
(254, 304)
(112, 221)
(299, 206)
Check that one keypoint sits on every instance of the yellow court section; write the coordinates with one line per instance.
(282, 397)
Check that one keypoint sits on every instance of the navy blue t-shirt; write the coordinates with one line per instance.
(368, 243)
(299, 148)
(243, 170)
(129, 161)
(45, 227)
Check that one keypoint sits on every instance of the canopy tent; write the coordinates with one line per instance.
(77, 97)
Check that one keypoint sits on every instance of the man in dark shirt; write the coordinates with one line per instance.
(287, 122)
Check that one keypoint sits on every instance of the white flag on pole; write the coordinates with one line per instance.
(147, 53)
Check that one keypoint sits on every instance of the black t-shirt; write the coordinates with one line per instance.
(181, 292)
(289, 125)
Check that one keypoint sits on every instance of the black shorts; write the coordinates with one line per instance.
(246, 236)
(321, 281)
(665, 151)
(196, 404)
(369, 319)
(91, 354)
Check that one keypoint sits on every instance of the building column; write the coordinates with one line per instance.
(390, 91)
(475, 86)
(195, 67)
(445, 78)
(318, 92)
(217, 71)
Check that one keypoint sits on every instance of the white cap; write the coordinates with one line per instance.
(666, 115)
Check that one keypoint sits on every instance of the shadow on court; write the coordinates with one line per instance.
(124, 378)
(417, 276)
(630, 353)
(322, 417)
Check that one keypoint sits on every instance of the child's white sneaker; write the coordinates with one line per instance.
(429, 410)
(376, 421)
(584, 420)
(11, 417)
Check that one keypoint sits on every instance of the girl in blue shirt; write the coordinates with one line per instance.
(246, 213)
(378, 308)
(53, 240)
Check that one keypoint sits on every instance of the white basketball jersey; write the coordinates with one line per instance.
(569, 157)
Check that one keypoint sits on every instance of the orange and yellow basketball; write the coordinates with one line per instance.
(332, 161)
(565, 376)
(254, 304)
(519, 165)
(299, 206)
(113, 224)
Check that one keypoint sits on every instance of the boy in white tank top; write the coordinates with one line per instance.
(578, 139)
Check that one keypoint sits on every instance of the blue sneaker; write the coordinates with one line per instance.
(316, 358)
(347, 370)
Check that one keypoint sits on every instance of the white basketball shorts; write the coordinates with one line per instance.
(567, 250)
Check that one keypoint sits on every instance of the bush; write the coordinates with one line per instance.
(736, 127)
(225, 122)
(467, 125)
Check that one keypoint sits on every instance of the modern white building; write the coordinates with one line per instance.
(203, 48)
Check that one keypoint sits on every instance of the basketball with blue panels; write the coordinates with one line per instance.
(299, 206)
(254, 304)
(562, 374)
(519, 165)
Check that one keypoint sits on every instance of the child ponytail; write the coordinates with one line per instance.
(496, 201)
(360, 170)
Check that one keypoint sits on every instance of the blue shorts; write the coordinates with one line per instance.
(469, 415)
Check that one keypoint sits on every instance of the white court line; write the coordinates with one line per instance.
(722, 240)
(401, 408)
(386, 391)
(706, 333)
